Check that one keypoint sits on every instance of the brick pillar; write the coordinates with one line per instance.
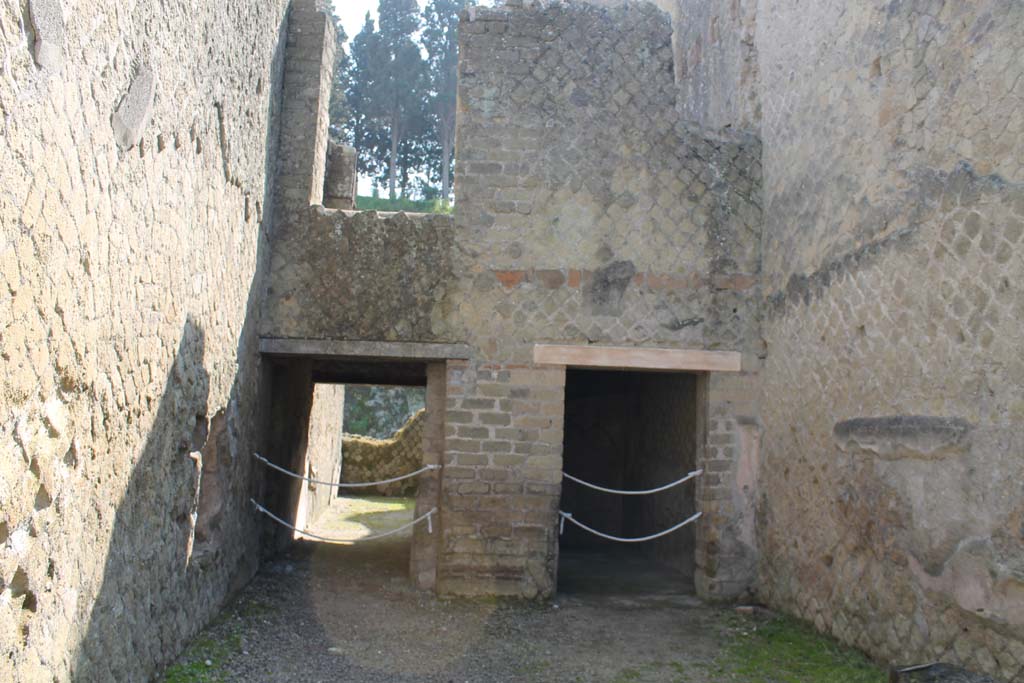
(503, 462)
(341, 181)
(729, 452)
(423, 557)
(306, 96)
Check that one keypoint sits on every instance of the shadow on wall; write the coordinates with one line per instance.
(184, 537)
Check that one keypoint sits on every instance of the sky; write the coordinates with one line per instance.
(352, 13)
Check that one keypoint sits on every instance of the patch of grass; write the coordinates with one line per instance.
(248, 609)
(657, 670)
(194, 667)
(785, 650)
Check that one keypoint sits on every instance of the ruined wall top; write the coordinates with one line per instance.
(587, 209)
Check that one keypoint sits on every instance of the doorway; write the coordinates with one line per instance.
(299, 500)
(633, 431)
(381, 431)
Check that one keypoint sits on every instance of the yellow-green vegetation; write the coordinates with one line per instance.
(785, 650)
(204, 659)
(350, 518)
(777, 650)
(364, 203)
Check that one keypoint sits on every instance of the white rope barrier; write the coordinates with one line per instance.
(340, 485)
(568, 516)
(427, 516)
(688, 477)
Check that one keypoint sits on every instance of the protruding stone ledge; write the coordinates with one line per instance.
(904, 436)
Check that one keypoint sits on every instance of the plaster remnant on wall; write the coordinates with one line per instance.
(904, 436)
(135, 110)
(605, 291)
(971, 580)
(48, 25)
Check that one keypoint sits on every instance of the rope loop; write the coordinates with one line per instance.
(647, 492)
(426, 516)
(619, 539)
(360, 485)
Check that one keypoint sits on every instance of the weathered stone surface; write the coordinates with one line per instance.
(369, 459)
(323, 455)
(904, 436)
(341, 179)
(558, 236)
(128, 304)
(134, 112)
(872, 268)
(305, 108)
(394, 287)
(892, 267)
(588, 210)
(48, 26)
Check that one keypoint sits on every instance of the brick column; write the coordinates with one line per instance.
(340, 183)
(503, 461)
(423, 557)
(306, 96)
(728, 451)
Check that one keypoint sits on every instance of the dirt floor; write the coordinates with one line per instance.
(343, 613)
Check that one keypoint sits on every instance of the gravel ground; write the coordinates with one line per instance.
(347, 613)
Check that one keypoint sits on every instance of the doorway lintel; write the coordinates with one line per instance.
(637, 358)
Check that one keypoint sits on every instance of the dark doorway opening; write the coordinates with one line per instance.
(630, 431)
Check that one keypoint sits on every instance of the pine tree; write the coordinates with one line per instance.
(367, 136)
(387, 90)
(441, 42)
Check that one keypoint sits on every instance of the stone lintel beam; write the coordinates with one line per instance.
(363, 350)
(637, 358)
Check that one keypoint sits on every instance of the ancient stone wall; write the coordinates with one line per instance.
(893, 258)
(562, 235)
(368, 275)
(587, 213)
(136, 158)
(716, 62)
(369, 459)
(323, 452)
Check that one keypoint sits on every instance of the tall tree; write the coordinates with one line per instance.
(369, 138)
(389, 78)
(441, 42)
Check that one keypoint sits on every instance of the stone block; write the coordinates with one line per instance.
(48, 27)
(340, 178)
(136, 108)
